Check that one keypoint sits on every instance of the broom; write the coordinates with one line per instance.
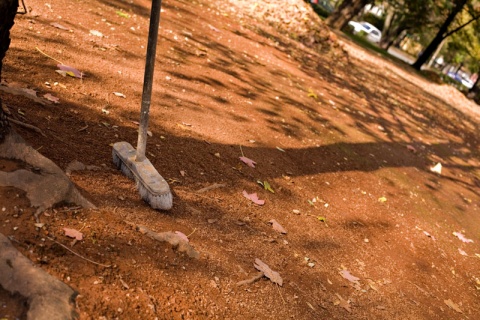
(152, 187)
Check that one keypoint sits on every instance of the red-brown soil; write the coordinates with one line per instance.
(355, 129)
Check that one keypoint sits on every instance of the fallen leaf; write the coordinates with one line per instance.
(254, 198)
(347, 275)
(213, 28)
(277, 226)
(119, 94)
(312, 94)
(267, 186)
(181, 236)
(51, 98)
(462, 237)
(411, 148)
(269, 273)
(72, 233)
(463, 253)
(437, 168)
(452, 305)
(280, 149)
(123, 14)
(382, 199)
(342, 303)
(96, 33)
(248, 161)
(429, 235)
(70, 71)
(322, 219)
(59, 26)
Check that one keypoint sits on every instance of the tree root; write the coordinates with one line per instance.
(45, 187)
(48, 298)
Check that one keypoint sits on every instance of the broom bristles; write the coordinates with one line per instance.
(150, 184)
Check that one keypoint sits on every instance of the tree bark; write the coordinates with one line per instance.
(8, 9)
(387, 40)
(345, 12)
(441, 34)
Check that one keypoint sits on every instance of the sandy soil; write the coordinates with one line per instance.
(346, 139)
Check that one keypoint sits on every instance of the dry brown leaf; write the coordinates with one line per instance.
(342, 303)
(452, 305)
(277, 227)
(269, 273)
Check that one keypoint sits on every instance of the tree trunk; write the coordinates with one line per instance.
(430, 49)
(8, 9)
(345, 12)
(398, 40)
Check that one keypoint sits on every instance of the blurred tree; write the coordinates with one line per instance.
(453, 10)
(345, 12)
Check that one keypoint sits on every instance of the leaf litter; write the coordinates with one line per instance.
(269, 273)
(347, 275)
(460, 236)
(254, 198)
(277, 226)
(72, 233)
(248, 162)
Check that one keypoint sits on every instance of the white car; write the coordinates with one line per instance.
(373, 34)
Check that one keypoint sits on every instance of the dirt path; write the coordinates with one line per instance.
(345, 141)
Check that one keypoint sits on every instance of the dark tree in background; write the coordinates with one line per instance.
(441, 34)
(8, 9)
(345, 12)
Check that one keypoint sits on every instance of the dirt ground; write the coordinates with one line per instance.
(345, 138)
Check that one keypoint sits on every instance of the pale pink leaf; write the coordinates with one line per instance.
(181, 236)
(49, 97)
(347, 275)
(72, 233)
(463, 253)
(59, 26)
(254, 198)
(70, 71)
(411, 148)
(429, 235)
(248, 161)
(277, 226)
(269, 273)
(462, 237)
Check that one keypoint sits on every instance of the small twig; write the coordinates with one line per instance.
(26, 125)
(213, 186)
(70, 209)
(86, 259)
(82, 128)
(241, 151)
(46, 55)
(192, 232)
(251, 280)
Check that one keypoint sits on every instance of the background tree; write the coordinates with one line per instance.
(345, 12)
(443, 32)
(405, 16)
